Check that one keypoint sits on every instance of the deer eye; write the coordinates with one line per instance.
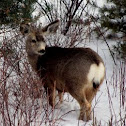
(26, 31)
(34, 41)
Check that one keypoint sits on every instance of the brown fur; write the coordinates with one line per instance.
(64, 69)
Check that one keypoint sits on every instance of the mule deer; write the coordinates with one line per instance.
(78, 71)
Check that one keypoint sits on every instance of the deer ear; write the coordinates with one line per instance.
(24, 28)
(51, 28)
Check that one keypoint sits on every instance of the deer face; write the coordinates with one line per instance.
(35, 42)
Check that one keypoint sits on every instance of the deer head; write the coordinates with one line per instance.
(35, 42)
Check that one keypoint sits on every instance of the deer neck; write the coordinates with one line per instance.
(33, 59)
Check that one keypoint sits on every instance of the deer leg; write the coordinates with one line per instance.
(60, 95)
(85, 107)
(90, 94)
(85, 111)
(50, 88)
(51, 94)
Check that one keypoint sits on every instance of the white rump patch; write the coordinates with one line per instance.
(96, 72)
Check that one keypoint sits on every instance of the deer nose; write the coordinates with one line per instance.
(41, 51)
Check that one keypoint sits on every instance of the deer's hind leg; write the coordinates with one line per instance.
(85, 106)
(85, 109)
(90, 94)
